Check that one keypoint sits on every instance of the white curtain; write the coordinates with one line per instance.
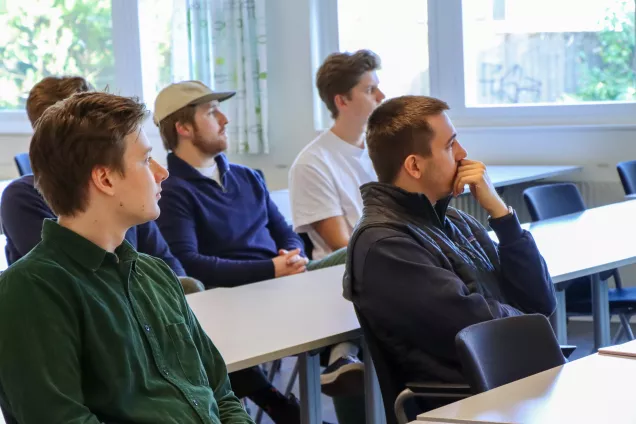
(228, 52)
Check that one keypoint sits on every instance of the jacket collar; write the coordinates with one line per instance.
(414, 205)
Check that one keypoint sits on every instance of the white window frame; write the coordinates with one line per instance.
(446, 70)
(128, 69)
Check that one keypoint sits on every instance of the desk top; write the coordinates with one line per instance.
(595, 389)
(505, 175)
(588, 242)
(265, 321)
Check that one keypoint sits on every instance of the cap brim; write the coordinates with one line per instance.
(219, 97)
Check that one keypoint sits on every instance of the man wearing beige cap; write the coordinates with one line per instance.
(217, 216)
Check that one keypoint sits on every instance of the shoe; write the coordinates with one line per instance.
(345, 377)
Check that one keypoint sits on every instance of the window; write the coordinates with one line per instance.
(500, 62)
(398, 32)
(164, 44)
(47, 37)
(548, 51)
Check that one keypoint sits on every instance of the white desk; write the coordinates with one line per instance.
(270, 320)
(587, 243)
(506, 175)
(596, 389)
(500, 175)
(273, 319)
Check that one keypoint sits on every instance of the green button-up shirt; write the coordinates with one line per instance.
(88, 336)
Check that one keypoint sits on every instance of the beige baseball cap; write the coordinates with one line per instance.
(185, 93)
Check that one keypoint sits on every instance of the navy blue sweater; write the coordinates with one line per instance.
(224, 236)
(23, 211)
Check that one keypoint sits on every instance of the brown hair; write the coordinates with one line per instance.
(168, 128)
(340, 72)
(398, 128)
(51, 90)
(74, 136)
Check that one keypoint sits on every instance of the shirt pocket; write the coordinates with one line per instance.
(187, 354)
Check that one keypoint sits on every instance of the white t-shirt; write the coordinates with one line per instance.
(324, 182)
(211, 172)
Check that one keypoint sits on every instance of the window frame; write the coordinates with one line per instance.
(446, 70)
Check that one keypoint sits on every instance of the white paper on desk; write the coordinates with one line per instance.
(626, 349)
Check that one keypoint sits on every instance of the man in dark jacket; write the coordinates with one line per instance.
(420, 271)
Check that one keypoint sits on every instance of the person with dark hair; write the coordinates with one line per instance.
(420, 271)
(90, 329)
(324, 179)
(23, 210)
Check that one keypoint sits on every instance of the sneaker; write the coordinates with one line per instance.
(345, 377)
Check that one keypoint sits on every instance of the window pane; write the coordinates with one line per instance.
(162, 26)
(53, 37)
(548, 51)
(397, 31)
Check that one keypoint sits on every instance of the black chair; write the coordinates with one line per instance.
(627, 174)
(497, 352)
(396, 393)
(553, 200)
(309, 245)
(261, 174)
(23, 163)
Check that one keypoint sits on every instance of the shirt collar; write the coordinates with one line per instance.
(82, 250)
(346, 148)
(182, 169)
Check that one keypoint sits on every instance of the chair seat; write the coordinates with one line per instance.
(620, 301)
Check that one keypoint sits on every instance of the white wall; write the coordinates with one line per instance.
(292, 118)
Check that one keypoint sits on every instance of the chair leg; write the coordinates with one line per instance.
(618, 335)
(400, 412)
(292, 379)
(275, 367)
(626, 326)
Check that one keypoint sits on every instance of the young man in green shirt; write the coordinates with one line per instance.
(92, 331)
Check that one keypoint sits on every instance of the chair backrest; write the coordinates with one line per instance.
(309, 245)
(387, 376)
(627, 174)
(261, 174)
(497, 352)
(552, 200)
(23, 163)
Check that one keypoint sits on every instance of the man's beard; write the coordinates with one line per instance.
(211, 148)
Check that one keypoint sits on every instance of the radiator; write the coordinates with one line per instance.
(594, 194)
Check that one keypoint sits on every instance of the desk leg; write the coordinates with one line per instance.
(559, 319)
(310, 407)
(600, 312)
(374, 408)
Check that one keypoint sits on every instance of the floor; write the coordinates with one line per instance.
(580, 334)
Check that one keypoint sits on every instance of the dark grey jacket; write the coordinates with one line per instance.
(421, 273)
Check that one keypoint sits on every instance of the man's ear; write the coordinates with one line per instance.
(413, 166)
(102, 179)
(184, 130)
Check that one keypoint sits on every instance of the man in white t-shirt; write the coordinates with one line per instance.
(325, 178)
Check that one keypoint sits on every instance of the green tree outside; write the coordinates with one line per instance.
(615, 78)
(53, 37)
